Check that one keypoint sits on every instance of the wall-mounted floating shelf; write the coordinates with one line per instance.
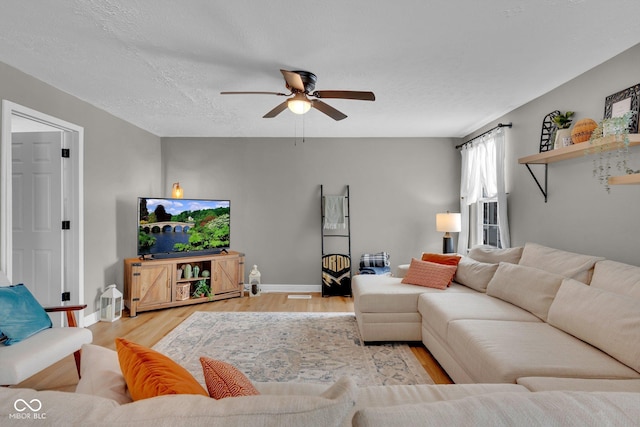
(607, 143)
(633, 178)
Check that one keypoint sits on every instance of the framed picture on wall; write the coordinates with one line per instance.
(619, 103)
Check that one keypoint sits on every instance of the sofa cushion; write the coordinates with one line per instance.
(475, 274)
(617, 277)
(383, 294)
(579, 384)
(503, 351)
(552, 408)
(492, 255)
(21, 316)
(150, 374)
(604, 319)
(438, 310)
(100, 374)
(527, 287)
(429, 274)
(225, 380)
(568, 264)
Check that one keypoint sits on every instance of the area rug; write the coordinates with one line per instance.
(290, 347)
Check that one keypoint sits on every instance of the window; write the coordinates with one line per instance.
(488, 228)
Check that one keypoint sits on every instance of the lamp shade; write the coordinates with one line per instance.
(448, 222)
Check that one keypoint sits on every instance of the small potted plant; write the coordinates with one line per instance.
(202, 289)
(563, 134)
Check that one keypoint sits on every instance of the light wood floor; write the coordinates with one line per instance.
(149, 327)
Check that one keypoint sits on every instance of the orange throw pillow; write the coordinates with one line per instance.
(225, 380)
(149, 373)
(441, 258)
(429, 274)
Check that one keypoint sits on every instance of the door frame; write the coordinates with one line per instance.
(73, 138)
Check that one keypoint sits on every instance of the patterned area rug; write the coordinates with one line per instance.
(290, 347)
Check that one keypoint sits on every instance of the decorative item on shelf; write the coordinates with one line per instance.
(188, 271)
(179, 274)
(196, 271)
(254, 282)
(205, 273)
(548, 128)
(621, 102)
(111, 304)
(202, 289)
(448, 223)
(618, 129)
(563, 134)
(582, 130)
(182, 291)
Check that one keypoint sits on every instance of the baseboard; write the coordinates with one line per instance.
(290, 288)
(91, 319)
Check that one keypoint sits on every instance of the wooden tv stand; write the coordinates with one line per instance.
(151, 284)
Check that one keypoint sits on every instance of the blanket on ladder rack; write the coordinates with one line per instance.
(335, 212)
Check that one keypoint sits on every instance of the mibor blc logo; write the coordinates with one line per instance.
(28, 410)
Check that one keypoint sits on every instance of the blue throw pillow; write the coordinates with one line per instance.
(20, 314)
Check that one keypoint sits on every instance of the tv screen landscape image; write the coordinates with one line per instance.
(182, 226)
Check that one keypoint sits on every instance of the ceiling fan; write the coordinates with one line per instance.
(302, 85)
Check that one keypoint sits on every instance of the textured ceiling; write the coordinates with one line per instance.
(437, 67)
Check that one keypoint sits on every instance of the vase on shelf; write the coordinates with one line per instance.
(196, 271)
(563, 138)
(188, 272)
(179, 273)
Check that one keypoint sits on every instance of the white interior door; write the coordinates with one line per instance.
(37, 214)
(47, 189)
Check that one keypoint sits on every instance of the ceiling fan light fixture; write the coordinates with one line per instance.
(299, 104)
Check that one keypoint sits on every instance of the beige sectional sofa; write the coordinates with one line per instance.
(341, 404)
(531, 311)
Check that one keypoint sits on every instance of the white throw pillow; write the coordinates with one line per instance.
(100, 374)
(604, 319)
(492, 255)
(527, 287)
(568, 264)
(474, 274)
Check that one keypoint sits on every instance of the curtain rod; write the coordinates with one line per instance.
(500, 125)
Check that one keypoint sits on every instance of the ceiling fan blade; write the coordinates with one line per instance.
(345, 94)
(255, 93)
(328, 110)
(279, 109)
(294, 81)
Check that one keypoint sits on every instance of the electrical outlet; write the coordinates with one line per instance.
(66, 296)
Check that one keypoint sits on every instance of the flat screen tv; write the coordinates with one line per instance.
(182, 227)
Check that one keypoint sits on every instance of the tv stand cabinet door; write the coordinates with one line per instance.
(225, 276)
(153, 284)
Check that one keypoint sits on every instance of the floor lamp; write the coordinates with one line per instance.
(448, 223)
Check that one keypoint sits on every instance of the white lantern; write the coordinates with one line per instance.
(111, 304)
(254, 282)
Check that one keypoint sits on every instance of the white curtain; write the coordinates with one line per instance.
(483, 162)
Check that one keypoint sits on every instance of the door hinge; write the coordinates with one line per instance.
(66, 153)
(66, 296)
(66, 225)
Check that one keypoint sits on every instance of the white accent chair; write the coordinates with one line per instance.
(30, 356)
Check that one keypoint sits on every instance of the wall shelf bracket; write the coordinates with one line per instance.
(535, 178)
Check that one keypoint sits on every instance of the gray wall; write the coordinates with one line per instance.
(397, 187)
(580, 216)
(121, 162)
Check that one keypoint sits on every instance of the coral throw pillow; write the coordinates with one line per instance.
(441, 259)
(429, 274)
(225, 380)
(149, 373)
